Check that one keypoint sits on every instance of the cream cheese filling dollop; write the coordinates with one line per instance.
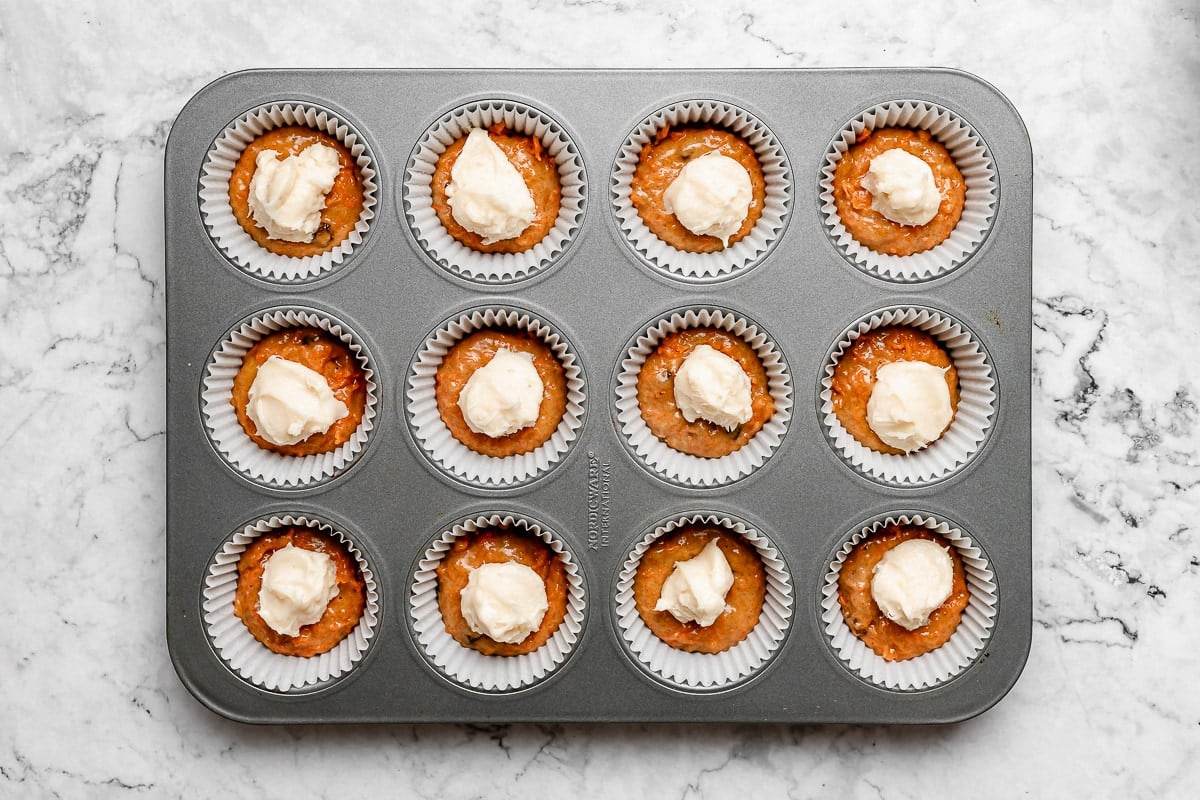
(503, 396)
(297, 585)
(710, 385)
(505, 601)
(909, 405)
(695, 590)
(289, 402)
(710, 196)
(287, 195)
(902, 187)
(911, 580)
(487, 194)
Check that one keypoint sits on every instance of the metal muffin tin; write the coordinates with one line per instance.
(601, 498)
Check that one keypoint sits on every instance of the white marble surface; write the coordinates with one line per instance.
(89, 703)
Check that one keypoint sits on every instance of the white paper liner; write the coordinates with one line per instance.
(684, 467)
(706, 671)
(973, 160)
(742, 254)
(218, 167)
(454, 457)
(452, 254)
(253, 660)
(936, 666)
(470, 667)
(972, 420)
(229, 438)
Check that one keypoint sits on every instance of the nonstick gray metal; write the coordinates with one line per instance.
(599, 497)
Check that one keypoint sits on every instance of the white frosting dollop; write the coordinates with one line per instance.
(909, 405)
(503, 396)
(695, 590)
(710, 196)
(297, 585)
(902, 187)
(287, 195)
(505, 601)
(710, 385)
(911, 580)
(289, 402)
(487, 194)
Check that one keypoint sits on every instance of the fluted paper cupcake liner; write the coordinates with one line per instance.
(454, 457)
(453, 255)
(239, 451)
(473, 669)
(218, 167)
(742, 254)
(936, 666)
(251, 659)
(973, 160)
(682, 467)
(706, 671)
(972, 419)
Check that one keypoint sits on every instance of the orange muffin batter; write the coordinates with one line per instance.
(343, 204)
(321, 353)
(493, 546)
(743, 603)
(656, 394)
(341, 615)
(873, 229)
(537, 168)
(889, 640)
(659, 165)
(473, 352)
(854, 376)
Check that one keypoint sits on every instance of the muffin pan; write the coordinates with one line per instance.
(400, 292)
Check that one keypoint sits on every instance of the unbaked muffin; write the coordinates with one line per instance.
(657, 398)
(536, 168)
(854, 376)
(857, 204)
(497, 545)
(343, 202)
(341, 614)
(324, 354)
(863, 616)
(661, 162)
(477, 350)
(743, 601)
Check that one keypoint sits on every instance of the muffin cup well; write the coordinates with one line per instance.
(251, 659)
(973, 160)
(238, 450)
(685, 468)
(706, 671)
(451, 254)
(972, 419)
(470, 668)
(937, 666)
(742, 254)
(223, 227)
(454, 457)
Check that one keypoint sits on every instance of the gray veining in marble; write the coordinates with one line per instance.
(89, 703)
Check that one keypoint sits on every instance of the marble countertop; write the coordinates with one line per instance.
(89, 702)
